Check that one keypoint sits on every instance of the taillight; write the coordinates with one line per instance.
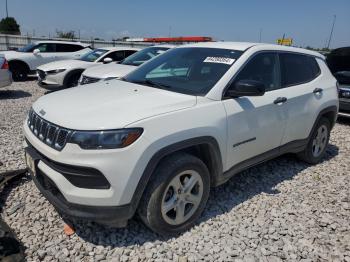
(5, 65)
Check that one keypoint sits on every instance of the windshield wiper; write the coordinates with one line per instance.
(153, 84)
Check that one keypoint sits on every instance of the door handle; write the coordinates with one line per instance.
(317, 90)
(280, 100)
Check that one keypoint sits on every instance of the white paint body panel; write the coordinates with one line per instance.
(71, 65)
(109, 70)
(5, 75)
(33, 61)
(169, 117)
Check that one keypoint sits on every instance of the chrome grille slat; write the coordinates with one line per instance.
(50, 134)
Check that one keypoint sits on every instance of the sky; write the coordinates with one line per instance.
(308, 22)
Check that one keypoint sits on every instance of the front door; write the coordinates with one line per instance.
(256, 124)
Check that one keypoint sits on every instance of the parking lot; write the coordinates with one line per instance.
(281, 210)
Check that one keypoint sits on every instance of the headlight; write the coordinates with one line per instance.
(110, 78)
(56, 71)
(106, 139)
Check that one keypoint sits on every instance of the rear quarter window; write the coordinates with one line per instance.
(297, 69)
(68, 48)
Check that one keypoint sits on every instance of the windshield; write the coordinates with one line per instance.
(144, 55)
(189, 70)
(93, 55)
(27, 48)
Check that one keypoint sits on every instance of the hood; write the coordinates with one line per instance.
(66, 64)
(109, 70)
(9, 55)
(108, 105)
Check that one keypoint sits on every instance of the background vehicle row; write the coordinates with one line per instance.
(66, 73)
(25, 60)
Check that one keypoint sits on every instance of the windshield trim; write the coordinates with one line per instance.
(178, 89)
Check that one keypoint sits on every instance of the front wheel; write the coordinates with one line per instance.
(72, 80)
(176, 195)
(317, 145)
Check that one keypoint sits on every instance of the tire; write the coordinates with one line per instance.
(19, 71)
(318, 142)
(160, 193)
(72, 80)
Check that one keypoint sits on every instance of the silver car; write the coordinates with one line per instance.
(5, 74)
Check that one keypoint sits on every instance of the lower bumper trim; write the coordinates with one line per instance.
(116, 216)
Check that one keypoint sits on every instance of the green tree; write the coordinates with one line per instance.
(9, 25)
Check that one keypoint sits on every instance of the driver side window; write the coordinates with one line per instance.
(45, 48)
(263, 67)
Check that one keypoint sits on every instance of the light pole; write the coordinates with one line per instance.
(7, 12)
(331, 34)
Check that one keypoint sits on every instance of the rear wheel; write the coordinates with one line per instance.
(19, 71)
(317, 145)
(176, 196)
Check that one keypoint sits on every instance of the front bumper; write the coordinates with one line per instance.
(116, 216)
(50, 81)
(344, 99)
(122, 168)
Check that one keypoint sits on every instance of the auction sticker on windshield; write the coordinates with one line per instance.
(220, 60)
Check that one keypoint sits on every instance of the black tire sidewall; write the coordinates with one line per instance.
(17, 72)
(164, 174)
(70, 78)
(309, 156)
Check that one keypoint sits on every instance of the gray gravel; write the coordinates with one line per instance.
(280, 210)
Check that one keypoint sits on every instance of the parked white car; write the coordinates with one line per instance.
(25, 60)
(187, 120)
(5, 74)
(118, 70)
(66, 73)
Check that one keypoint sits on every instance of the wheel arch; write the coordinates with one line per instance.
(71, 73)
(14, 62)
(329, 113)
(206, 148)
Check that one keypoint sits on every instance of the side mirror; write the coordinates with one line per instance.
(36, 51)
(246, 88)
(107, 60)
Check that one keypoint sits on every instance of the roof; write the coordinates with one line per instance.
(118, 48)
(242, 46)
(165, 45)
(62, 42)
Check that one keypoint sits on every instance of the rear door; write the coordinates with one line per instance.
(304, 91)
(68, 51)
(256, 124)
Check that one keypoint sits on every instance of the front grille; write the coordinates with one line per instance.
(41, 74)
(51, 134)
(88, 80)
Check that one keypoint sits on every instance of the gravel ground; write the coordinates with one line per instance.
(281, 210)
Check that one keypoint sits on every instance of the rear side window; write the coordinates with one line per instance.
(298, 69)
(68, 48)
(116, 56)
(129, 52)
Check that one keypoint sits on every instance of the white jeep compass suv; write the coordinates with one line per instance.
(156, 141)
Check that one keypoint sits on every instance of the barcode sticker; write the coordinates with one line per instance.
(220, 60)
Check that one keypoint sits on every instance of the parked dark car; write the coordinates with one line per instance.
(339, 63)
